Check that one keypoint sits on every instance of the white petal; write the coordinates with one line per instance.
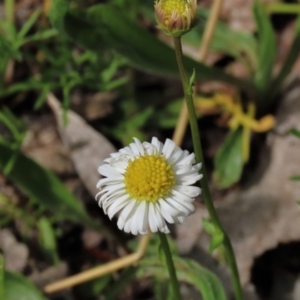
(139, 221)
(117, 206)
(188, 179)
(152, 218)
(134, 149)
(149, 148)
(127, 225)
(170, 210)
(127, 213)
(175, 156)
(180, 197)
(168, 148)
(106, 181)
(182, 169)
(157, 144)
(167, 211)
(126, 151)
(179, 220)
(108, 171)
(120, 165)
(188, 160)
(139, 146)
(185, 208)
(191, 191)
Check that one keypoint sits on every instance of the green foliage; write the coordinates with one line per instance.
(295, 132)
(92, 289)
(266, 53)
(187, 271)
(17, 287)
(47, 240)
(238, 44)
(228, 160)
(105, 26)
(42, 186)
(123, 281)
(17, 130)
(217, 236)
(11, 41)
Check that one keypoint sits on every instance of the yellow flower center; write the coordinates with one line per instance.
(149, 178)
(169, 6)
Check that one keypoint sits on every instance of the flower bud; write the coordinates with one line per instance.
(175, 17)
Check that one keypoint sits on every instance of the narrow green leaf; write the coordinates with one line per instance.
(41, 98)
(19, 287)
(229, 160)
(287, 66)
(217, 236)
(28, 25)
(216, 240)
(105, 26)
(295, 178)
(41, 35)
(266, 50)
(43, 186)
(208, 226)
(47, 240)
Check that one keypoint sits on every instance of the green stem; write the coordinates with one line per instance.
(204, 181)
(170, 265)
(283, 8)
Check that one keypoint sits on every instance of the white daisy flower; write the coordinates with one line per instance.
(149, 184)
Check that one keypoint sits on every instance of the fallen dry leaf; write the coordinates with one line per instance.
(88, 148)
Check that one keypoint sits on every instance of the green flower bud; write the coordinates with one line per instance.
(175, 17)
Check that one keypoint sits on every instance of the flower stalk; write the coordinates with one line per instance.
(170, 264)
(188, 94)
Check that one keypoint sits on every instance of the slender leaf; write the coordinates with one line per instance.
(43, 186)
(41, 35)
(105, 26)
(266, 50)
(229, 160)
(217, 236)
(295, 178)
(287, 66)
(28, 24)
(47, 240)
(19, 287)
(187, 271)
